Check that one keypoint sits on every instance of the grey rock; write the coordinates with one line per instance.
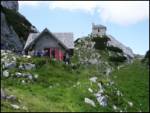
(5, 73)
(10, 65)
(102, 100)
(13, 5)
(89, 101)
(14, 106)
(90, 90)
(9, 39)
(21, 67)
(108, 71)
(93, 79)
(30, 77)
(29, 66)
(11, 97)
(3, 94)
(19, 74)
(126, 50)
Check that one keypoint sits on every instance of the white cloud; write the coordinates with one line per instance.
(119, 12)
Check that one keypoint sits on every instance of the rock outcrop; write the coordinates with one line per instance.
(9, 38)
(10, 5)
(126, 50)
(15, 28)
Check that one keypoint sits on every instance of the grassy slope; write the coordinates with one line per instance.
(38, 96)
(133, 80)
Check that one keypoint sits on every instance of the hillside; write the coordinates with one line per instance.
(53, 86)
(104, 75)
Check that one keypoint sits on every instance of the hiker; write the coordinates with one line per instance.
(67, 58)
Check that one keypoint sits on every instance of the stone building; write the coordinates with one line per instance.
(98, 30)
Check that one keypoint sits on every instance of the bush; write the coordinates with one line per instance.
(100, 42)
(117, 59)
(115, 49)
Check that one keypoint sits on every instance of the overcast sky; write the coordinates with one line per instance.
(127, 21)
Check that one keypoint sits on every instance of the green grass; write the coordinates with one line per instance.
(133, 81)
(63, 96)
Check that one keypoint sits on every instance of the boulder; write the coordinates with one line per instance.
(89, 101)
(102, 100)
(6, 73)
(18, 74)
(14, 106)
(90, 90)
(11, 98)
(28, 75)
(29, 66)
(93, 79)
(9, 65)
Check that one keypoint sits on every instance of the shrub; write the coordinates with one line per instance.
(117, 59)
(100, 42)
(115, 49)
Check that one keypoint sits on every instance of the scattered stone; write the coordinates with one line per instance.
(18, 74)
(21, 67)
(130, 103)
(25, 108)
(29, 66)
(114, 107)
(102, 100)
(27, 75)
(11, 97)
(108, 71)
(119, 93)
(93, 79)
(90, 90)
(89, 101)
(30, 77)
(36, 76)
(3, 95)
(6, 73)
(28, 56)
(23, 81)
(15, 106)
(101, 89)
(10, 65)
